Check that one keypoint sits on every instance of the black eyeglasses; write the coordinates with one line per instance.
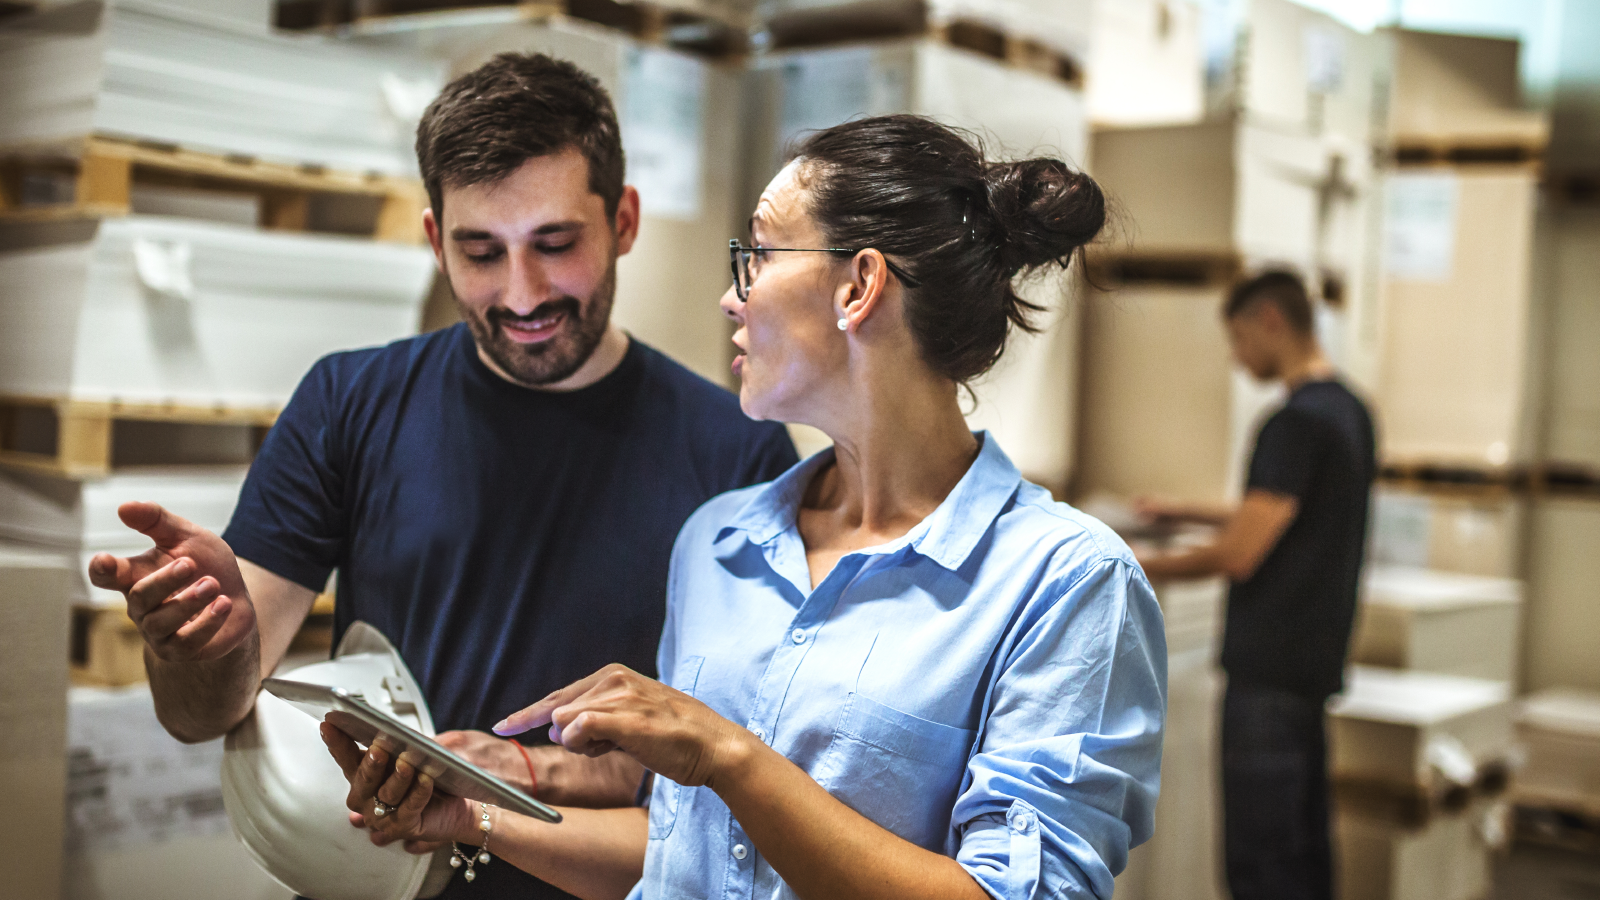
(739, 257)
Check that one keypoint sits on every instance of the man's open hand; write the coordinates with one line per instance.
(186, 593)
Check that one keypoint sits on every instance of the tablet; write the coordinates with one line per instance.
(351, 713)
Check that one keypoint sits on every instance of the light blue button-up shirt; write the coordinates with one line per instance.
(991, 685)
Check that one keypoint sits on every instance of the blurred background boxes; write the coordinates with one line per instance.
(33, 719)
(1448, 858)
(1563, 586)
(1559, 730)
(1439, 622)
(1146, 63)
(1418, 734)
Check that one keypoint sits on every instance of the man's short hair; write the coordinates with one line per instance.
(517, 106)
(1282, 289)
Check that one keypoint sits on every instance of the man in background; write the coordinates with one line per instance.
(1292, 550)
(500, 498)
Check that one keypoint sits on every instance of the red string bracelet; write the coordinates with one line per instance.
(529, 760)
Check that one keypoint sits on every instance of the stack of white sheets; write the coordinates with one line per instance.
(151, 309)
(1062, 25)
(148, 72)
(78, 519)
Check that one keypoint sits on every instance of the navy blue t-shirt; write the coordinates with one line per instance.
(508, 541)
(1288, 625)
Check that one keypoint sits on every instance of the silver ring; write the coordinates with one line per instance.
(379, 810)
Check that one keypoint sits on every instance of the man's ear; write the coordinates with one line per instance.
(430, 227)
(627, 219)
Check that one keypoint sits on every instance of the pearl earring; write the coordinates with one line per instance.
(844, 324)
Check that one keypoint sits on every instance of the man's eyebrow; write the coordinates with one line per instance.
(472, 234)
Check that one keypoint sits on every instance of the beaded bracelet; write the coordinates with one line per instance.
(482, 854)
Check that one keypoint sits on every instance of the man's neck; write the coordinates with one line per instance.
(1305, 363)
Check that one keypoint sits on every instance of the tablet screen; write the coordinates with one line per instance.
(350, 712)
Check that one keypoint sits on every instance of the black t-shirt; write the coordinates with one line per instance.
(507, 541)
(1289, 624)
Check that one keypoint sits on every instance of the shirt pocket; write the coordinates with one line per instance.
(664, 798)
(897, 769)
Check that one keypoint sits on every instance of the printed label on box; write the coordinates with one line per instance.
(1420, 226)
(663, 114)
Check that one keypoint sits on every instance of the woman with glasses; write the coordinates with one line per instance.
(899, 670)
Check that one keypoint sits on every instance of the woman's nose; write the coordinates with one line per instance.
(731, 307)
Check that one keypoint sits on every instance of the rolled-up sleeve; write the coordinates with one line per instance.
(1068, 765)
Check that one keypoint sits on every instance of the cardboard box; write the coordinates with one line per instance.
(34, 588)
(1454, 384)
(1559, 730)
(1563, 588)
(1027, 401)
(1571, 239)
(1164, 410)
(1470, 532)
(153, 73)
(1416, 732)
(145, 813)
(151, 309)
(1304, 69)
(1439, 622)
(1447, 859)
(1457, 90)
(1146, 63)
(1226, 187)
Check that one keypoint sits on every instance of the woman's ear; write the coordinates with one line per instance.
(869, 280)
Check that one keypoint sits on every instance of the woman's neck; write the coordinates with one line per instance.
(895, 462)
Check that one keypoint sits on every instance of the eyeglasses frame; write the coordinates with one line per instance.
(738, 255)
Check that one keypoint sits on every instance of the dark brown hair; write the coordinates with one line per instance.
(1280, 287)
(961, 225)
(517, 106)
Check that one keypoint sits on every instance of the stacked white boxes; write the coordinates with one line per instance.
(1027, 401)
(1064, 26)
(1559, 730)
(159, 309)
(151, 72)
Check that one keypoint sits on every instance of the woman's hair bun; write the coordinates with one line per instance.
(1044, 211)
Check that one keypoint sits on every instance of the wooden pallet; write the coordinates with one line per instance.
(1110, 269)
(106, 169)
(1553, 823)
(73, 438)
(1514, 150)
(1455, 477)
(887, 19)
(701, 27)
(1415, 805)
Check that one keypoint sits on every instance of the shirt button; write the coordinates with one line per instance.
(739, 852)
(799, 636)
(1021, 822)
(760, 735)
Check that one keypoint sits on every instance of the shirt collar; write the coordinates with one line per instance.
(947, 536)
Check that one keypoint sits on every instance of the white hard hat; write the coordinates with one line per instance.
(285, 795)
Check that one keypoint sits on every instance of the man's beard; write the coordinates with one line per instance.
(558, 358)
